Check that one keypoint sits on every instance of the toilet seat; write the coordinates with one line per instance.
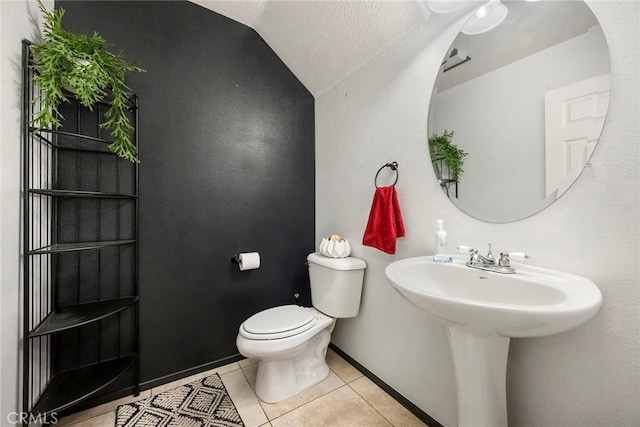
(278, 322)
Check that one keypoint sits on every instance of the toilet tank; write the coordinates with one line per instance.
(336, 284)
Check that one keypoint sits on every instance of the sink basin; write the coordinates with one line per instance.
(533, 302)
(482, 311)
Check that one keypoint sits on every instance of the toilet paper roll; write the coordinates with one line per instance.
(249, 261)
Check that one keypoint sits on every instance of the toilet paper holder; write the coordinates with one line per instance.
(246, 260)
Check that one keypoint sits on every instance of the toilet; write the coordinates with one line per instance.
(290, 342)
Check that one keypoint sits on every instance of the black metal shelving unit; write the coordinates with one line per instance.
(80, 244)
(445, 182)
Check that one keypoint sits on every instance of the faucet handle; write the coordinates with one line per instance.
(465, 249)
(506, 257)
(518, 256)
(473, 252)
(504, 260)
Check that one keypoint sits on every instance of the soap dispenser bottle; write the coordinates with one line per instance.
(440, 249)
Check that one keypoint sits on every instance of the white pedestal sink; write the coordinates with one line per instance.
(482, 310)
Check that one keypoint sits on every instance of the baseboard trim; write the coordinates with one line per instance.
(190, 371)
(423, 416)
(128, 391)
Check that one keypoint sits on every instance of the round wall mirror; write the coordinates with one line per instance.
(516, 112)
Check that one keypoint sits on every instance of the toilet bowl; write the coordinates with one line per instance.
(290, 342)
(291, 360)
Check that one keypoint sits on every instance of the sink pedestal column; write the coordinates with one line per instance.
(480, 364)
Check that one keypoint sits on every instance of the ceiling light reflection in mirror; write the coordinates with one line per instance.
(486, 18)
(513, 106)
(446, 6)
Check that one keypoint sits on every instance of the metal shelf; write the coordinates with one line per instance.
(68, 388)
(87, 194)
(439, 169)
(48, 141)
(78, 315)
(80, 246)
(35, 131)
(72, 352)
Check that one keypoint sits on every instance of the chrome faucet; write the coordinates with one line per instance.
(488, 262)
(489, 259)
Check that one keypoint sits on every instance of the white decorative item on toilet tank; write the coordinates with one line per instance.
(290, 342)
(335, 247)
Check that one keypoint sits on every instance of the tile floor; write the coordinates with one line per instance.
(346, 398)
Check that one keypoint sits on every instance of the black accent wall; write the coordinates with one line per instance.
(227, 166)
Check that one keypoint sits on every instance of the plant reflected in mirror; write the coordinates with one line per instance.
(441, 147)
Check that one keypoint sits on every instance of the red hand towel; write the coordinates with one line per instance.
(385, 221)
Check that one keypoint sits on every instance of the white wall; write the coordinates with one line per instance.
(498, 118)
(585, 377)
(19, 20)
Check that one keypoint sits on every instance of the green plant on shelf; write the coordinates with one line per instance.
(441, 147)
(81, 64)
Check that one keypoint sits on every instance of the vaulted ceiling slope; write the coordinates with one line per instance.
(322, 42)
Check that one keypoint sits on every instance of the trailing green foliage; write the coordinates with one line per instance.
(440, 146)
(84, 65)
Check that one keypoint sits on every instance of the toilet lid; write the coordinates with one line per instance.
(278, 322)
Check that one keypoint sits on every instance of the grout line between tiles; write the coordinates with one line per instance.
(370, 404)
(304, 404)
(244, 374)
(312, 400)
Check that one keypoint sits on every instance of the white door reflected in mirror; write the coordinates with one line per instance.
(574, 118)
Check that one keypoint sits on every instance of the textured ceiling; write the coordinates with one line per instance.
(322, 42)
